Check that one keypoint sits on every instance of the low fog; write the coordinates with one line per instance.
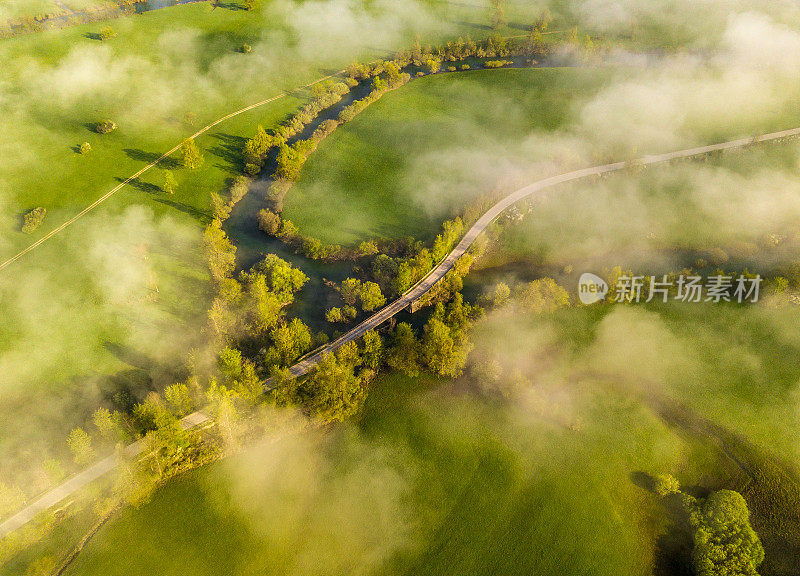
(733, 74)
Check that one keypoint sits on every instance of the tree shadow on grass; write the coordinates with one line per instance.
(199, 215)
(126, 388)
(467, 5)
(146, 374)
(130, 356)
(475, 25)
(143, 186)
(519, 26)
(148, 157)
(229, 148)
(158, 192)
(673, 548)
(228, 6)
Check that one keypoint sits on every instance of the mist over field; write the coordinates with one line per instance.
(116, 303)
(745, 85)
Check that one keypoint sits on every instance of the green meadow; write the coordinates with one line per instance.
(412, 159)
(543, 470)
(540, 458)
(114, 304)
(431, 480)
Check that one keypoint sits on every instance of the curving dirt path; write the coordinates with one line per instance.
(152, 164)
(303, 367)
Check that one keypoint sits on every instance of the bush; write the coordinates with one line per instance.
(105, 126)
(245, 48)
(334, 315)
(666, 484)
(33, 219)
(367, 248)
(497, 63)
(107, 33)
(542, 296)
(269, 222)
(84, 148)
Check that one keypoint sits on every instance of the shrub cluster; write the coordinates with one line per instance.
(105, 126)
(33, 219)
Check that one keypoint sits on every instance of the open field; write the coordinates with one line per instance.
(446, 487)
(473, 476)
(404, 165)
(132, 269)
(424, 152)
(557, 438)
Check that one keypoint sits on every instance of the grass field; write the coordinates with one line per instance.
(420, 154)
(431, 482)
(537, 472)
(116, 301)
(480, 476)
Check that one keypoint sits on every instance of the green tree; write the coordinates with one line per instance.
(283, 278)
(85, 148)
(170, 184)
(257, 147)
(724, 543)
(371, 296)
(499, 295)
(349, 312)
(269, 222)
(105, 126)
(190, 154)
(373, 350)
(443, 353)
(665, 484)
(498, 8)
(107, 33)
(107, 425)
(219, 252)
(403, 354)
(266, 306)
(289, 342)
(334, 391)
(178, 399)
(33, 219)
(334, 315)
(350, 290)
(220, 208)
(367, 248)
(543, 295)
(80, 444)
(229, 363)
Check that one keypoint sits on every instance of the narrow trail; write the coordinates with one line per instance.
(77, 482)
(152, 164)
